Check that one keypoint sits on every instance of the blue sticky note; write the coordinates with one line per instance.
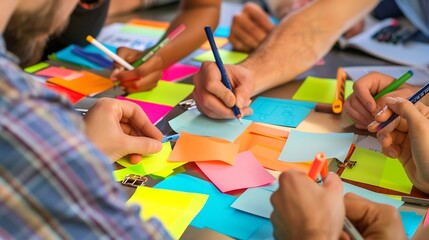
(411, 222)
(263, 233)
(255, 201)
(67, 55)
(282, 112)
(192, 121)
(303, 146)
(370, 195)
(222, 31)
(216, 213)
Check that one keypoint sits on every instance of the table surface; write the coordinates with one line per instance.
(315, 122)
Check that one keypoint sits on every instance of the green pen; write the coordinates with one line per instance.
(394, 85)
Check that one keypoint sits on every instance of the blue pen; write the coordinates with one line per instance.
(170, 138)
(224, 76)
(413, 99)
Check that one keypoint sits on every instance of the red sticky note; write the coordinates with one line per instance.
(58, 72)
(154, 111)
(244, 173)
(178, 71)
(72, 96)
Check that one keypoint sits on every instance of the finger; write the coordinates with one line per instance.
(368, 86)
(392, 151)
(352, 113)
(237, 44)
(142, 84)
(141, 145)
(406, 110)
(135, 158)
(258, 16)
(242, 34)
(333, 183)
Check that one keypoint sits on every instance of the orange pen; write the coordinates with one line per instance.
(319, 165)
(337, 104)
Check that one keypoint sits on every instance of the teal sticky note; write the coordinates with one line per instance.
(216, 213)
(228, 57)
(282, 112)
(303, 146)
(192, 121)
(222, 31)
(410, 221)
(263, 233)
(67, 55)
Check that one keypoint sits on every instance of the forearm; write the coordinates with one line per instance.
(195, 16)
(301, 39)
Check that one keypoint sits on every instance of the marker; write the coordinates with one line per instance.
(161, 44)
(394, 85)
(109, 53)
(337, 104)
(222, 70)
(170, 138)
(413, 99)
(319, 165)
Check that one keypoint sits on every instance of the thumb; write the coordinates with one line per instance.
(333, 183)
(141, 145)
(242, 95)
(405, 109)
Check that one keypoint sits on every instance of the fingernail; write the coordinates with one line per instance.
(391, 100)
(368, 106)
(382, 111)
(239, 102)
(392, 153)
(372, 123)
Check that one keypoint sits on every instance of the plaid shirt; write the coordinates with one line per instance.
(54, 184)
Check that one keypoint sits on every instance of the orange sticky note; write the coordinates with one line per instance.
(257, 134)
(86, 84)
(193, 148)
(220, 42)
(149, 23)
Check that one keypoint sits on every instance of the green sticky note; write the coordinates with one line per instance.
(228, 57)
(120, 174)
(165, 93)
(36, 68)
(321, 90)
(144, 31)
(378, 170)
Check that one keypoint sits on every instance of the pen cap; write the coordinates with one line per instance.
(317, 166)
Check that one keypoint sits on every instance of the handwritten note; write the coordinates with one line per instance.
(174, 209)
(321, 90)
(165, 93)
(177, 72)
(235, 223)
(303, 146)
(228, 57)
(376, 169)
(192, 121)
(246, 172)
(209, 149)
(280, 112)
(154, 111)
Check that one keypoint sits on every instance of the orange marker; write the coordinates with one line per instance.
(337, 105)
(318, 166)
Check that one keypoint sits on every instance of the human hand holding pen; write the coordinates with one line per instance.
(361, 106)
(406, 138)
(214, 99)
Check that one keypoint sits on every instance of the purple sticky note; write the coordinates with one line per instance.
(154, 111)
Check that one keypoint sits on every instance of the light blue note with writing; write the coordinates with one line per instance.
(303, 146)
(192, 121)
(282, 112)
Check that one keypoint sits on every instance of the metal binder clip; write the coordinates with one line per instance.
(134, 180)
(346, 164)
(188, 104)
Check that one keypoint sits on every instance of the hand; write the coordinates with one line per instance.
(143, 78)
(249, 28)
(119, 128)
(406, 138)
(306, 210)
(373, 220)
(361, 106)
(355, 30)
(214, 99)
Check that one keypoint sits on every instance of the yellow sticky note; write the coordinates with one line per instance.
(321, 90)
(228, 57)
(174, 209)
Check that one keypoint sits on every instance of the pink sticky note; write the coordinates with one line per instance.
(426, 221)
(154, 111)
(177, 72)
(246, 172)
(57, 72)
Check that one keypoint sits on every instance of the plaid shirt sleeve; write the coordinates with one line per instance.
(54, 183)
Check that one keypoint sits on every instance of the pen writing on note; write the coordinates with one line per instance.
(413, 99)
(320, 166)
(224, 76)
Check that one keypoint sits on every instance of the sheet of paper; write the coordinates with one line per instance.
(303, 146)
(87, 84)
(265, 232)
(420, 77)
(255, 201)
(174, 209)
(58, 72)
(410, 221)
(370, 195)
(37, 67)
(220, 42)
(376, 169)
(320, 90)
(178, 71)
(154, 111)
(227, 56)
(280, 112)
(246, 172)
(163, 174)
(120, 174)
(165, 93)
(235, 223)
(192, 121)
(193, 148)
(370, 143)
(426, 221)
